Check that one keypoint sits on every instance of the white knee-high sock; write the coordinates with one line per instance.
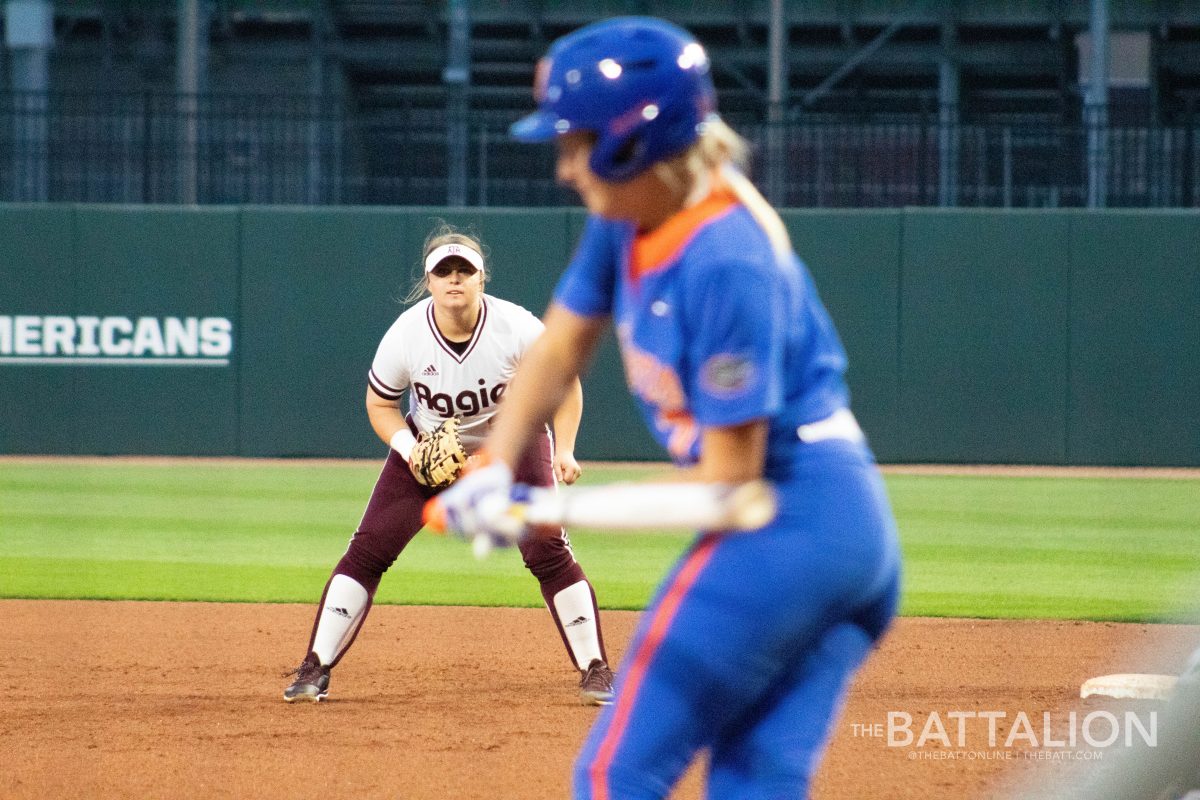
(577, 615)
(345, 602)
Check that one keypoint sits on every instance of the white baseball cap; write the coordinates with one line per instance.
(464, 251)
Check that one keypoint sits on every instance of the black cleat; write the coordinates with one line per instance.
(311, 684)
(596, 685)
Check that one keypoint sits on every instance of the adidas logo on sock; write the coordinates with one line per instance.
(430, 370)
(341, 612)
(576, 621)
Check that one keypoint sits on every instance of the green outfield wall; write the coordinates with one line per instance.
(1058, 337)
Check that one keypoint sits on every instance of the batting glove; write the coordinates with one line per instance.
(478, 505)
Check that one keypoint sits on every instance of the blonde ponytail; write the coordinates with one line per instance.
(721, 149)
(762, 211)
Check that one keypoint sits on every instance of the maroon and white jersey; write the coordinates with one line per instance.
(442, 383)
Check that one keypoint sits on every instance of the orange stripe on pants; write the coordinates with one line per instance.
(636, 672)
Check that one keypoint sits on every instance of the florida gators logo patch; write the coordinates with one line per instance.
(727, 374)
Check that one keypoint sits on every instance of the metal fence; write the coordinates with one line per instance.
(166, 148)
(872, 165)
(272, 149)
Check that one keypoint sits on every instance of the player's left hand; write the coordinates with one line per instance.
(438, 457)
(478, 505)
(566, 468)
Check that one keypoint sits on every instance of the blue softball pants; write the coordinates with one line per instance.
(751, 642)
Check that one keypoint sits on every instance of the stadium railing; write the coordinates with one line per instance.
(301, 149)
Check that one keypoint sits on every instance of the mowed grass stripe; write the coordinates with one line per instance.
(986, 546)
(1051, 557)
(1021, 606)
(1015, 546)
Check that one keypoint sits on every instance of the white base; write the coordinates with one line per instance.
(1134, 686)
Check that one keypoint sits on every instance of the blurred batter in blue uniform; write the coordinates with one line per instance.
(751, 642)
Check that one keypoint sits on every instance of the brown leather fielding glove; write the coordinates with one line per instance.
(438, 457)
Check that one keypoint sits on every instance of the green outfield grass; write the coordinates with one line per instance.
(1071, 548)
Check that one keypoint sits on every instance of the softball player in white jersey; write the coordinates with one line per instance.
(454, 353)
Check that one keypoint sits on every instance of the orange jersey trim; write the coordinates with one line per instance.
(659, 248)
(636, 672)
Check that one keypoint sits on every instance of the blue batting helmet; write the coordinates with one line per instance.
(640, 84)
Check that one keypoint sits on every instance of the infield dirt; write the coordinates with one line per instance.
(183, 700)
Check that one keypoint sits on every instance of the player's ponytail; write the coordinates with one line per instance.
(762, 211)
(721, 149)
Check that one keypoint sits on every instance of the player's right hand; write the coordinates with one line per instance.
(566, 468)
(478, 504)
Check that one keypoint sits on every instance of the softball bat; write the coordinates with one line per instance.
(633, 506)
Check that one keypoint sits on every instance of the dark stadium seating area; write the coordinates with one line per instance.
(335, 101)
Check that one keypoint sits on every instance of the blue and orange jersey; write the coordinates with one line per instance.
(714, 328)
